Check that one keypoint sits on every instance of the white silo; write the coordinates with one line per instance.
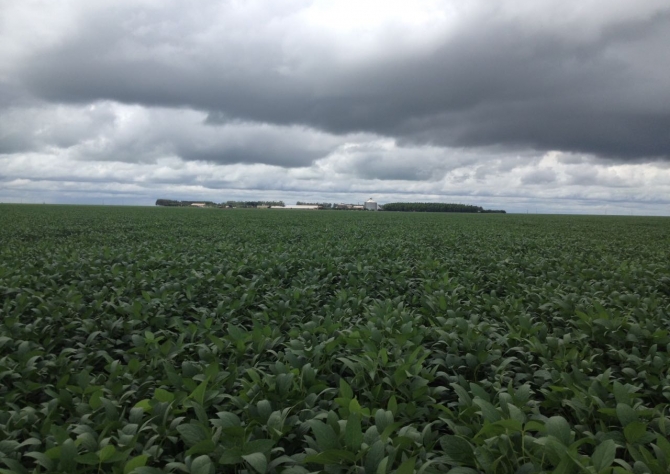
(370, 205)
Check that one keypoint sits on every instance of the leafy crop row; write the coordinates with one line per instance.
(171, 340)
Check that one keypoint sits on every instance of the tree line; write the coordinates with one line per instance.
(253, 204)
(436, 207)
(243, 204)
(324, 205)
(173, 203)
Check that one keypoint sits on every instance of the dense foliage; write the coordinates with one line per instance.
(147, 340)
(435, 207)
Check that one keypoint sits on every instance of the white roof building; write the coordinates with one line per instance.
(371, 205)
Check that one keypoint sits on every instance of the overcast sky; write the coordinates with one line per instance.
(525, 105)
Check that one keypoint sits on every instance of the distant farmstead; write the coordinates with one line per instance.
(198, 204)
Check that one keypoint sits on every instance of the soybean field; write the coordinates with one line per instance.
(176, 340)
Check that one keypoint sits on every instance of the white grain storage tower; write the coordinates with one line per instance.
(370, 205)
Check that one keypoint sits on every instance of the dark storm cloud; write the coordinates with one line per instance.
(14, 95)
(541, 176)
(374, 166)
(272, 153)
(495, 80)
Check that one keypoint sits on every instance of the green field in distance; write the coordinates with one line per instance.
(149, 340)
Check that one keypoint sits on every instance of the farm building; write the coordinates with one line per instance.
(370, 205)
(198, 204)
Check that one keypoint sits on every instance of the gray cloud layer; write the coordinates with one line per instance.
(507, 76)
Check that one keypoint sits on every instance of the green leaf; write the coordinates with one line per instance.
(374, 456)
(604, 454)
(205, 446)
(331, 456)
(345, 390)
(95, 401)
(389, 430)
(111, 410)
(554, 449)
(192, 434)
(478, 391)
(137, 461)
(559, 428)
(510, 424)
(202, 465)
(41, 459)
(14, 465)
(106, 453)
(620, 393)
(634, 431)
(231, 456)
(10, 446)
(90, 459)
(258, 461)
(443, 303)
(163, 395)
(324, 434)
(664, 445)
(148, 470)
(463, 395)
(383, 466)
(392, 405)
(67, 454)
(199, 393)
(625, 414)
(227, 420)
(640, 467)
(353, 433)
(259, 446)
(236, 333)
(489, 412)
(407, 467)
(144, 404)
(383, 419)
(295, 470)
(457, 449)
(264, 409)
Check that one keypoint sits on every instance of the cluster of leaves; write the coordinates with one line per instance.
(151, 340)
